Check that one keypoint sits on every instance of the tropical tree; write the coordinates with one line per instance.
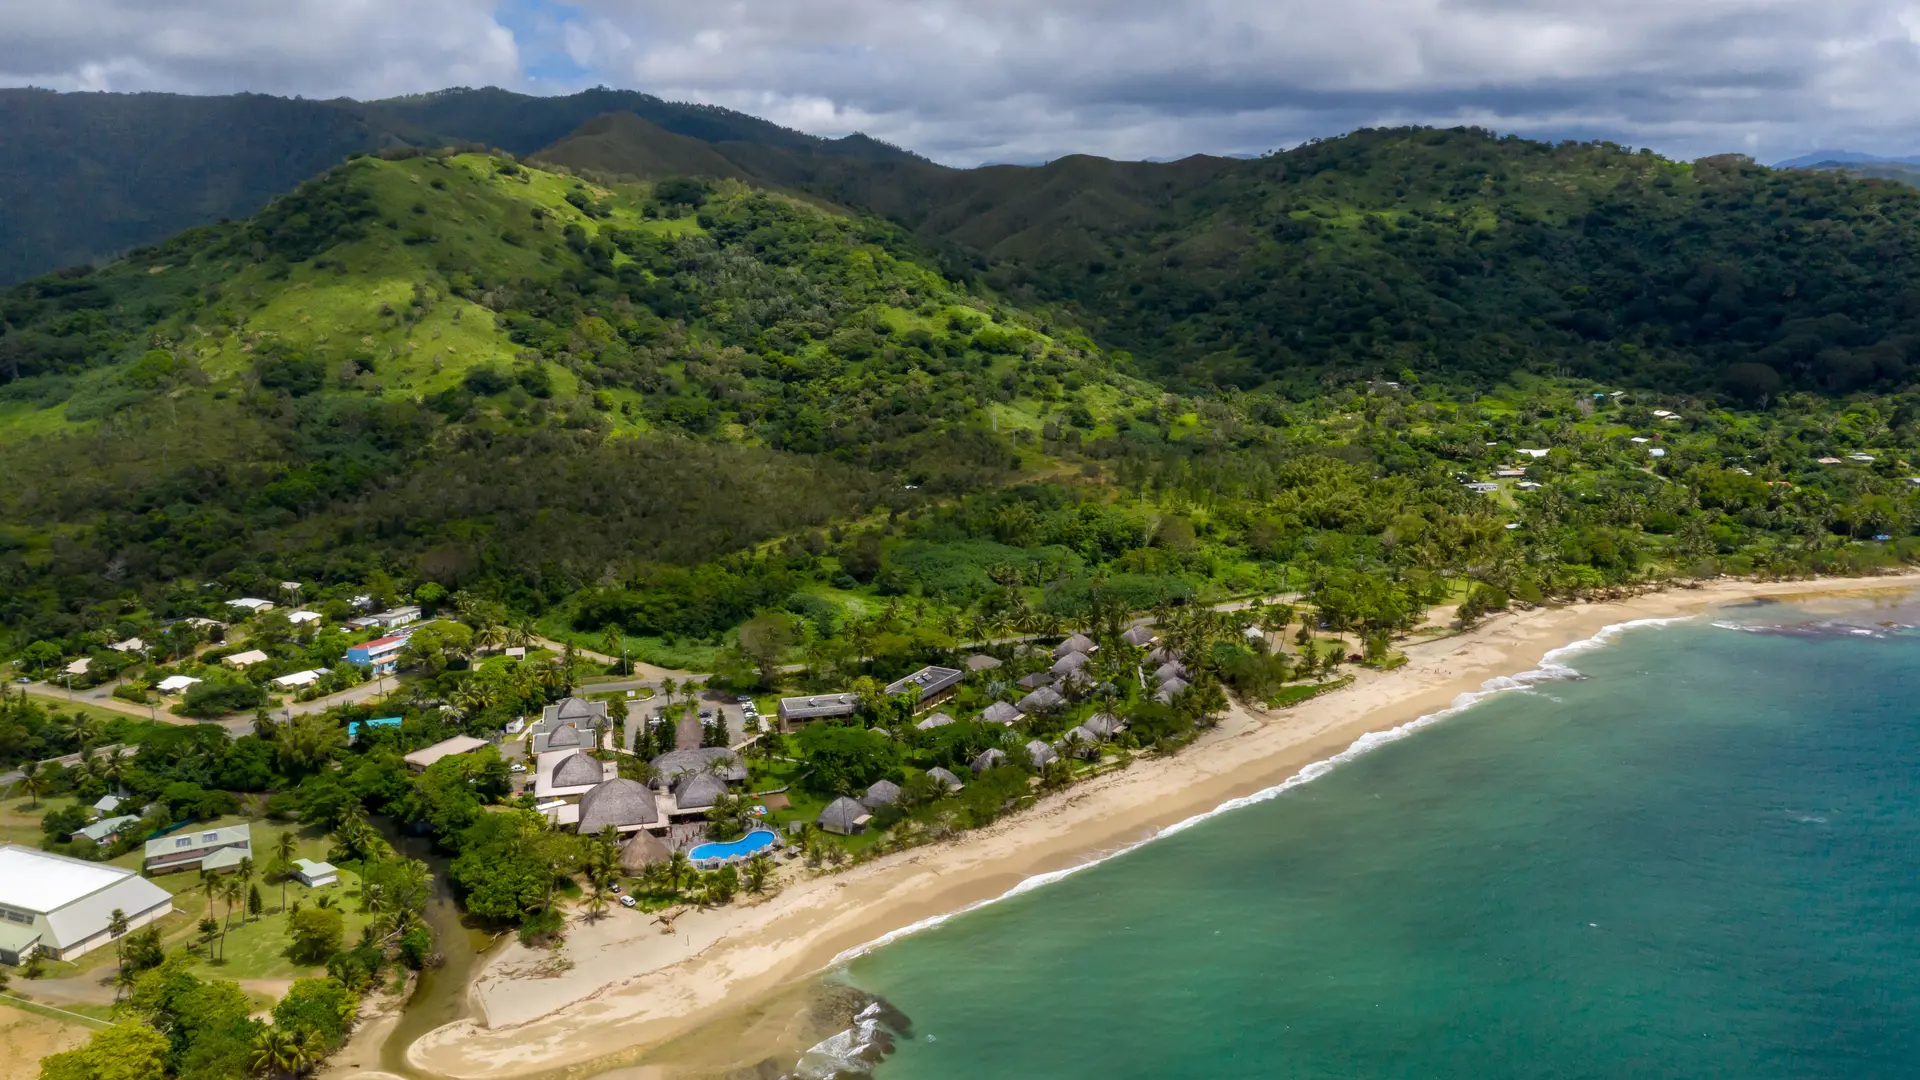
(33, 783)
(759, 868)
(283, 849)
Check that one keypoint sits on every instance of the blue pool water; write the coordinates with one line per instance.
(757, 840)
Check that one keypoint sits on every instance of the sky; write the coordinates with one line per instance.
(971, 81)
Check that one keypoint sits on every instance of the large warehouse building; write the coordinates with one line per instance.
(62, 906)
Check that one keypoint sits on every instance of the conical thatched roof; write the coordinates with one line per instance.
(697, 791)
(1105, 725)
(843, 815)
(618, 803)
(1175, 686)
(882, 793)
(982, 662)
(674, 764)
(1078, 643)
(575, 708)
(1139, 636)
(566, 736)
(945, 779)
(1040, 753)
(938, 719)
(1070, 663)
(1172, 669)
(1161, 655)
(1000, 713)
(989, 760)
(1040, 701)
(643, 849)
(1034, 681)
(577, 770)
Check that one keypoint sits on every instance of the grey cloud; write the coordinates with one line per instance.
(971, 80)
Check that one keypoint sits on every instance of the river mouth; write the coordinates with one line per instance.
(440, 996)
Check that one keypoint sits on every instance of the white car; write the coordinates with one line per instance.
(516, 767)
(626, 901)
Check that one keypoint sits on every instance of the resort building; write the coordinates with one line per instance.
(844, 816)
(982, 662)
(422, 759)
(803, 710)
(571, 724)
(623, 805)
(938, 719)
(882, 793)
(1001, 713)
(381, 656)
(577, 711)
(1071, 664)
(1041, 754)
(945, 779)
(200, 849)
(691, 781)
(1105, 725)
(568, 774)
(1041, 700)
(315, 875)
(1140, 637)
(991, 759)
(60, 907)
(1078, 643)
(936, 685)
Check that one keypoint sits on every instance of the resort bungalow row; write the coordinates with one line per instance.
(936, 685)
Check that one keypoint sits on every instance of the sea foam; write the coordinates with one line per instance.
(1552, 668)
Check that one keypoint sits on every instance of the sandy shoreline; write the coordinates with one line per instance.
(626, 984)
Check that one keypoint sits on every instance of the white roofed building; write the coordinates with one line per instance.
(60, 907)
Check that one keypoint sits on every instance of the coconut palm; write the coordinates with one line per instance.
(234, 892)
(283, 849)
(33, 783)
(759, 868)
(678, 867)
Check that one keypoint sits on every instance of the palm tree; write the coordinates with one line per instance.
(210, 887)
(275, 1050)
(117, 929)
(677, 868)
(596, 902)
(233, 892)
(759, 868)
(283, 849)
(33, 783)
(667, 688)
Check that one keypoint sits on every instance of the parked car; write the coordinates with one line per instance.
(626, 901)
(516, 767)
(744, 700)
(615, 886)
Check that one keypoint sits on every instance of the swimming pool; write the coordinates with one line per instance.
(757, 840)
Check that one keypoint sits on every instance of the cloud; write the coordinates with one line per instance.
(971, 80)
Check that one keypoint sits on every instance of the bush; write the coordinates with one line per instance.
(314, 934)
(212, 700)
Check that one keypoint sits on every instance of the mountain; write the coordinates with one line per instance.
(88, 175)
(1875, 170)
(1455, 253)
(458, 362)
(1819, 158)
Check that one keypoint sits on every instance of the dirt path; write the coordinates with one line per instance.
(30, 1036)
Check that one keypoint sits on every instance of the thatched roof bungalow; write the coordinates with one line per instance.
(990, 759)
(718, 760)
(1041, 754)
(1140, 637)
(627, 805)
(882, 793)
(1078, 643)
(844, 816)
(1001, 713)
(945, 778)
(1040, 701)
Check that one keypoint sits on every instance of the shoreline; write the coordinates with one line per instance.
(627, 987)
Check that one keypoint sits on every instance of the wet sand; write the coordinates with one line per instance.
(623, 984)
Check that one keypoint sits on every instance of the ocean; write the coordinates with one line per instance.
(1692, 852)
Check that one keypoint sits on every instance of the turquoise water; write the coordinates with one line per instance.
(1701, 861)
(757, 840)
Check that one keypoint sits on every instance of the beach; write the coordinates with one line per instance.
(623, 983)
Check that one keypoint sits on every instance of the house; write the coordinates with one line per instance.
(107, 804)
(103, 831)
(575, 710)
(802, 710)
(390, 619)
(1864, 459)
(1041, 754)
(302, 618)
(571, 724)
(1078, 643)
(882, 793)
(199, 849)
(1001, 713)
(938, 719)
(982, 662)
(300, 679)
(173, 684)
(1529, 485)
(1531, 453)
(568, 774)
(1483, 487)
(200, 623)
(132, 644)
(1656, 452)
(62, 908)
(1081, 741)
(246, 659)
(1069, 664)
(78, 667)
(1639, 439)
(1034, 681)
(251, 605)
(936, 685)
(1509, 474)
(1105, 725)
(1827, 461)
(1140, 637)
(315, 875)
(422, 759)
(844, 816)
(381, 656)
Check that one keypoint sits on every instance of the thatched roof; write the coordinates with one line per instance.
(1080, 741)
(1071, 663)
(1139, 636)
(1000, 713)
(881, 794)
(697, 791)
(619, 803)
(575, 708)
(1105, 725)
(1174, 686)
(945, 779)
(577, 770)
(568, 736)
(982, 662)
(1161, 655)
(1041, 753)
(1034, 681)
(1172, 669)
(718, 759)
(843, 815)
(938, 719)
(989, 760)
(643, 849)
(1040, 701)
(1078, 643)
